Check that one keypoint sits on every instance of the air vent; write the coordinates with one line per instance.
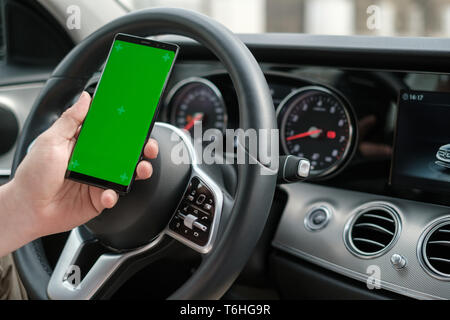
(372, 231)
(436, 249)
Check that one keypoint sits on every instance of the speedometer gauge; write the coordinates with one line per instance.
(197, 99)
(316, 124)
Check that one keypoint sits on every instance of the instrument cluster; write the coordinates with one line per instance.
(315, 121)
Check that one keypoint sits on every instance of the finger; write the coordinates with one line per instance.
(144, 170)
(151, 149)
(100, 200)
(108, 199)
(78, 132)
(67, 125)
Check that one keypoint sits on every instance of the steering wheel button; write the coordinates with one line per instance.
(200, 226)
(194, 215)
(179, 216)
(189, 221)
(201, 198)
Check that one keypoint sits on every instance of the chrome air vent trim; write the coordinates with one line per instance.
(432, 247)
(372, 230)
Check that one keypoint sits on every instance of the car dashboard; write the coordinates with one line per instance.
(348, 217)
(346, 232)
(354, 151)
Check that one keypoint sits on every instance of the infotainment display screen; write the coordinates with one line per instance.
(422, 142)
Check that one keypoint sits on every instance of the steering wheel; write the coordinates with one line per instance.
(101, 255)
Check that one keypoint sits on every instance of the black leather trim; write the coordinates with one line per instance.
(34, 269)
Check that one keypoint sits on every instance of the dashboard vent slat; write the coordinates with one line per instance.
(372, 231)
(380, 245)
(373, 227)
(439, 259)
(376, 216)
(440, 242)
(435, 250)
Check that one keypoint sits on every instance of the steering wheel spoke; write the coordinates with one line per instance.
(84, 266)
(195, 222)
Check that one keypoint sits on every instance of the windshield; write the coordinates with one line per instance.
(333, 17)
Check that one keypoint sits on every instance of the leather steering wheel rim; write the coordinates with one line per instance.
(254, 191)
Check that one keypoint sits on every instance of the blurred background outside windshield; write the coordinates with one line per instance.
(333, 17)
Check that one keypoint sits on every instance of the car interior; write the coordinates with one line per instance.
(369, 113)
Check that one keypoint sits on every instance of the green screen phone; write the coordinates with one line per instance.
(122, 113)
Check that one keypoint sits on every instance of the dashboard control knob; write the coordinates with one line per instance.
(317, 218)
(304, 166)
(398, 261)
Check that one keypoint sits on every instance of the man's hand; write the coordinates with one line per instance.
(39, 201)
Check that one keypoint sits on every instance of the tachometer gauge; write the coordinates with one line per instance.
(316, 124)
(197, 99)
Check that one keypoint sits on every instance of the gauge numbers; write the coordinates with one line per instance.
(317, 125)
(194, 100)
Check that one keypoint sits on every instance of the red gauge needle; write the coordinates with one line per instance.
(191, 123)
(304, 134)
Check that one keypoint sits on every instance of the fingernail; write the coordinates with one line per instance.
(85, 95)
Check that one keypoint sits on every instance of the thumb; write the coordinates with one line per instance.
(102, 199)
(69, 122)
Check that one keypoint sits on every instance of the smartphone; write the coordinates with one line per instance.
(122, 113)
